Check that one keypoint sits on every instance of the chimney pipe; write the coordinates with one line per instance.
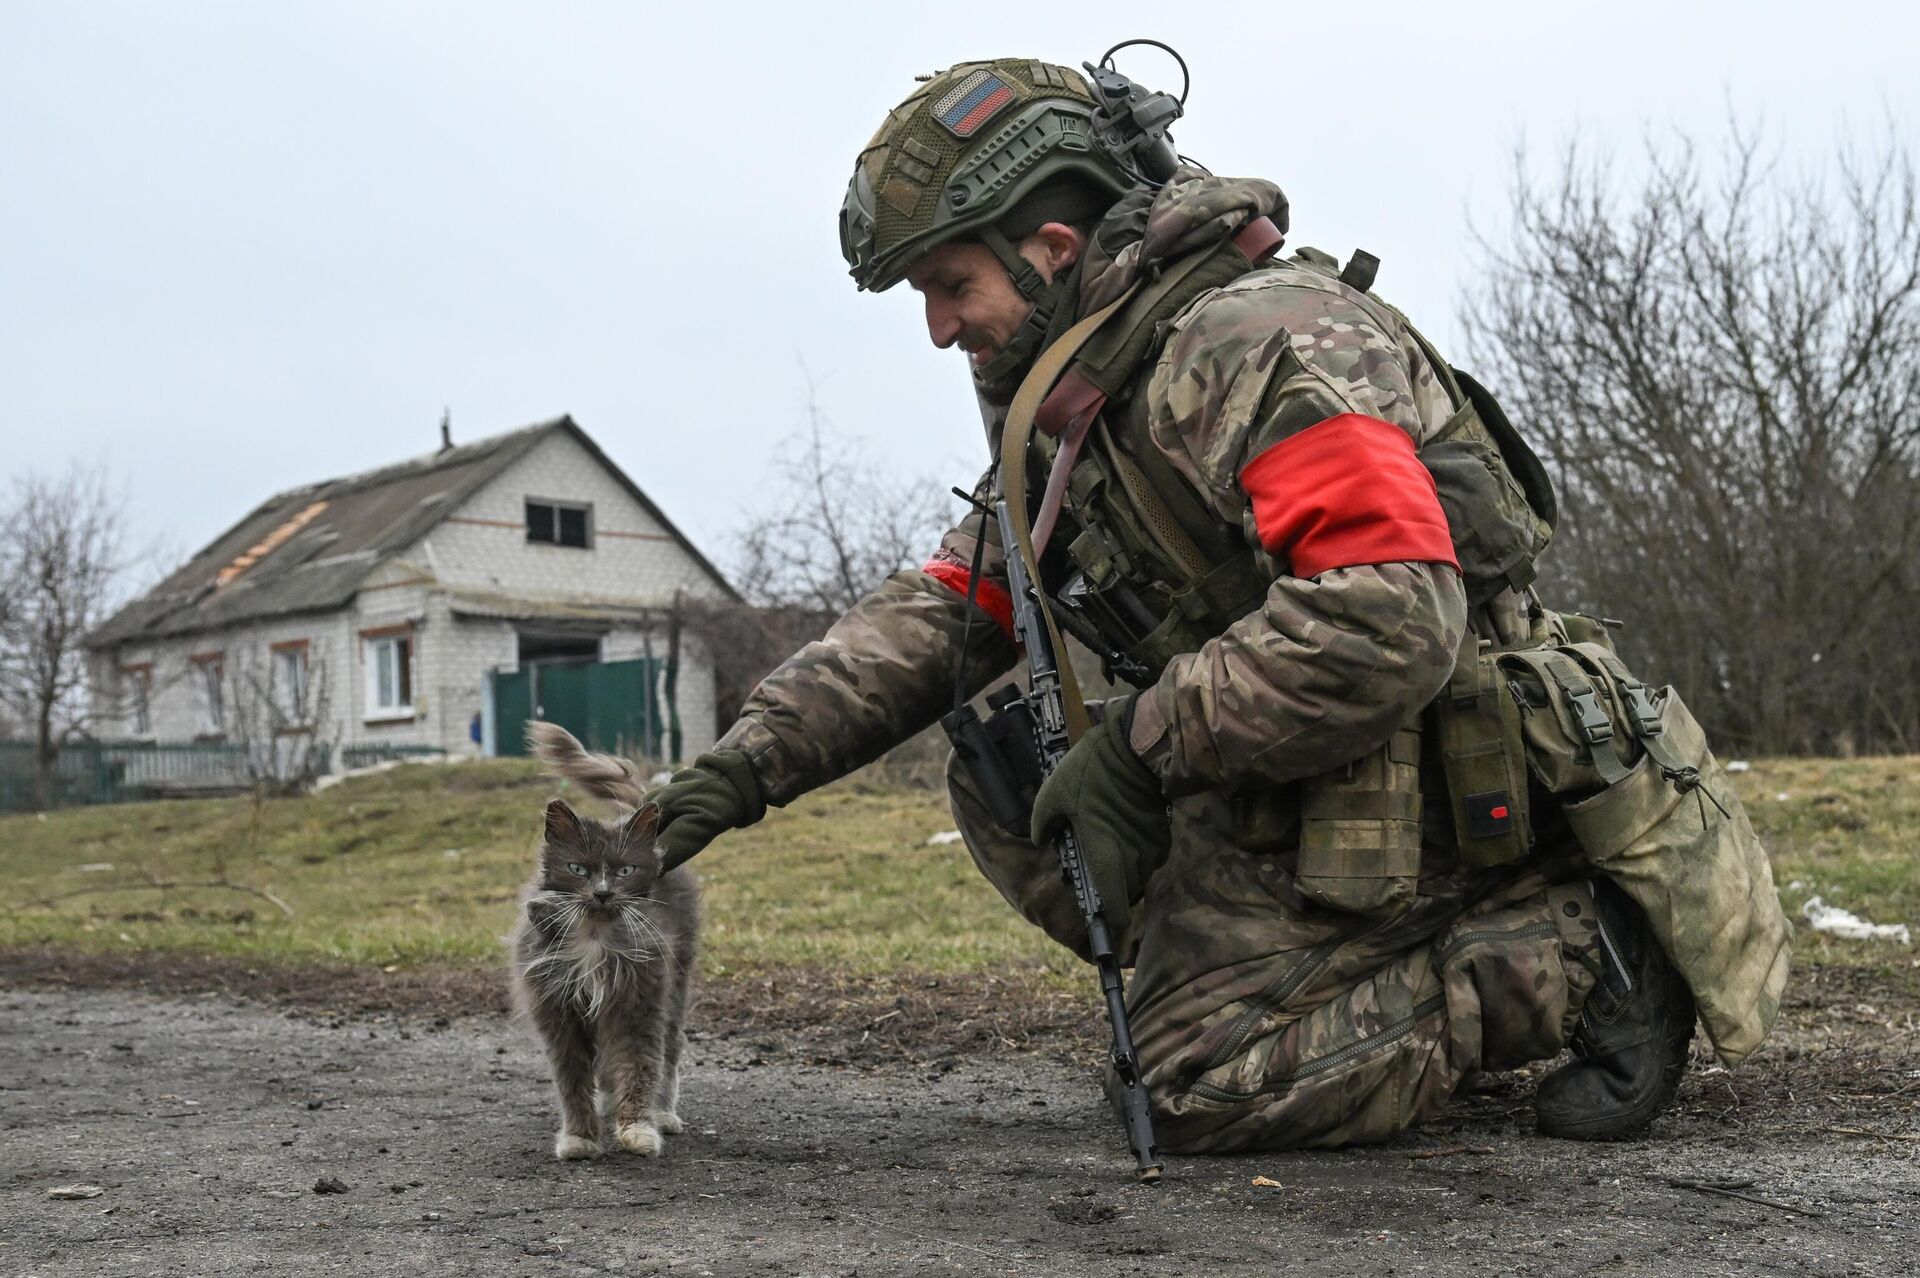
(446, 429)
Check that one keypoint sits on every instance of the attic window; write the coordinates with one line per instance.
(558, 523)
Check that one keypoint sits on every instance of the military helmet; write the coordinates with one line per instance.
(968, 147)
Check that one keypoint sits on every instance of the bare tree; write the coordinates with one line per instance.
(835, 529)
(61, 567)
(1723, 368)
(278, 712)
(832, 530)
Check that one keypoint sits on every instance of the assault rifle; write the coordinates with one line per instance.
(1008, 755)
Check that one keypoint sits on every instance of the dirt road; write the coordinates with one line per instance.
(208, 1123)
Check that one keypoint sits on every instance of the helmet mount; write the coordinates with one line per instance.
(1130, 123)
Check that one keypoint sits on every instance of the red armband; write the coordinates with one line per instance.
(991, 596)
(1344, 492)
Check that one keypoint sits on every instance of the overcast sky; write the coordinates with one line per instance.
(245, 246)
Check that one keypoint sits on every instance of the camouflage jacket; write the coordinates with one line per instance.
(1324, 671)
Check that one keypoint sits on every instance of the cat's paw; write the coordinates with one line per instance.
(641, 1138)
(668, 1121)
(568, 1146)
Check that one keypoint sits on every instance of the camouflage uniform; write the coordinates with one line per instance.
(1263, 1022)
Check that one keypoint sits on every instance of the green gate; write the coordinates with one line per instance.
(610, 705)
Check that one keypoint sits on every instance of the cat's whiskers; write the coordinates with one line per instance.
(636, 913)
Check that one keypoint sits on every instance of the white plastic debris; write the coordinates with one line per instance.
(943, 838)
(1782, 797)
(1844, 923)
(93, 867)
(1739, 765)
(71, 1192)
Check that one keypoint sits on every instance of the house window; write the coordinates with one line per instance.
(558, 524)
(290, 684)
(139, 698)
(209, 709)
(389, 662)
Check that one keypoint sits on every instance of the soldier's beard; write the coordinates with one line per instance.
(996, 381)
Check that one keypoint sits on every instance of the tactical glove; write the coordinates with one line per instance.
(1117, 811)
(718, 793)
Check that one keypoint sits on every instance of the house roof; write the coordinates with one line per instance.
(308, 549)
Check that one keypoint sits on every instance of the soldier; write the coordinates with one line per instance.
(1267, 502)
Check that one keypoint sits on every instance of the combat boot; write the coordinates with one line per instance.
(1633, 1035)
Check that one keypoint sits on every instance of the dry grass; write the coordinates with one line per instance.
(421, 865)
(1848, 831)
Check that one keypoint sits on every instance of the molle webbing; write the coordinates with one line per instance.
(1483, 754)
(1360, 830)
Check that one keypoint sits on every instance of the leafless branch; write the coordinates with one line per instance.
(1721, 364)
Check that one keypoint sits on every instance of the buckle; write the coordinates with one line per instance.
(1594, 724)
(1640, 708)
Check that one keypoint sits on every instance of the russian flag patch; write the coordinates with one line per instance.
(968, 105)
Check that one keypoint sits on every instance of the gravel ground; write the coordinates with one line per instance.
(207, 1123)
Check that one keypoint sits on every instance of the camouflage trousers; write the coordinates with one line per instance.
(1264, 1022)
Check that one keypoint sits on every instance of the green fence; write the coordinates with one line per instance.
(123, 771)
(610, 705)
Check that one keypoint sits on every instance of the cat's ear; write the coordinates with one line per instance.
(640, 827)
(563, 824)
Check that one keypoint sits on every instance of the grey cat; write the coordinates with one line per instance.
(602, 957)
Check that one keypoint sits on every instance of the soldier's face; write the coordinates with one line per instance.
(970, 299)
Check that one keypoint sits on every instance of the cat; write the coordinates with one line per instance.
(602, 956)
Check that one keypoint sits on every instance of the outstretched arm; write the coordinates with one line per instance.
(884, 671)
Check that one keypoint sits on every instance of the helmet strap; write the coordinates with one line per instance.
(1026, 277)
(1046, 298)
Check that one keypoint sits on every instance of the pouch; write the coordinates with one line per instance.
(1694, 864)
(1483, 754)
(1360, 831)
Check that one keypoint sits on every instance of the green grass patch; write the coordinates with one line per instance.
(1847, 831)
(422, 865)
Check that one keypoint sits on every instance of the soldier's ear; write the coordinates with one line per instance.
(640, 827)
(563, 824)
(1057, 245)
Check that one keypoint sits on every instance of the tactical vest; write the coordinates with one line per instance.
(1151, 571)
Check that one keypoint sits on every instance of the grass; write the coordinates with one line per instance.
(1845, 830)
(422, 865)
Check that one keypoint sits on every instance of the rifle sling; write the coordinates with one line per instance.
(1014, 438)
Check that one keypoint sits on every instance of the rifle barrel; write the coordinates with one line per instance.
(1051, 743)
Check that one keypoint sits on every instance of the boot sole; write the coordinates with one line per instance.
(1619, 1126)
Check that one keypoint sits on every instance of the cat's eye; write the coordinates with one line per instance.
(574, 867)
(624, 871)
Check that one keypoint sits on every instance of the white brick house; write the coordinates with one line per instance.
(385, 608)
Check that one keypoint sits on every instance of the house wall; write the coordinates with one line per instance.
(482, 547)
(632, 562)
(246, 662)
(397, 596)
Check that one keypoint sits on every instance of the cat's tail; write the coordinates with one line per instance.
(605, 776)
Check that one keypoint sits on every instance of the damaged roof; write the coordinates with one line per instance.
(309, 549)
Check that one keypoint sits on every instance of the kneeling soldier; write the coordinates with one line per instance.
(1375, 818)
